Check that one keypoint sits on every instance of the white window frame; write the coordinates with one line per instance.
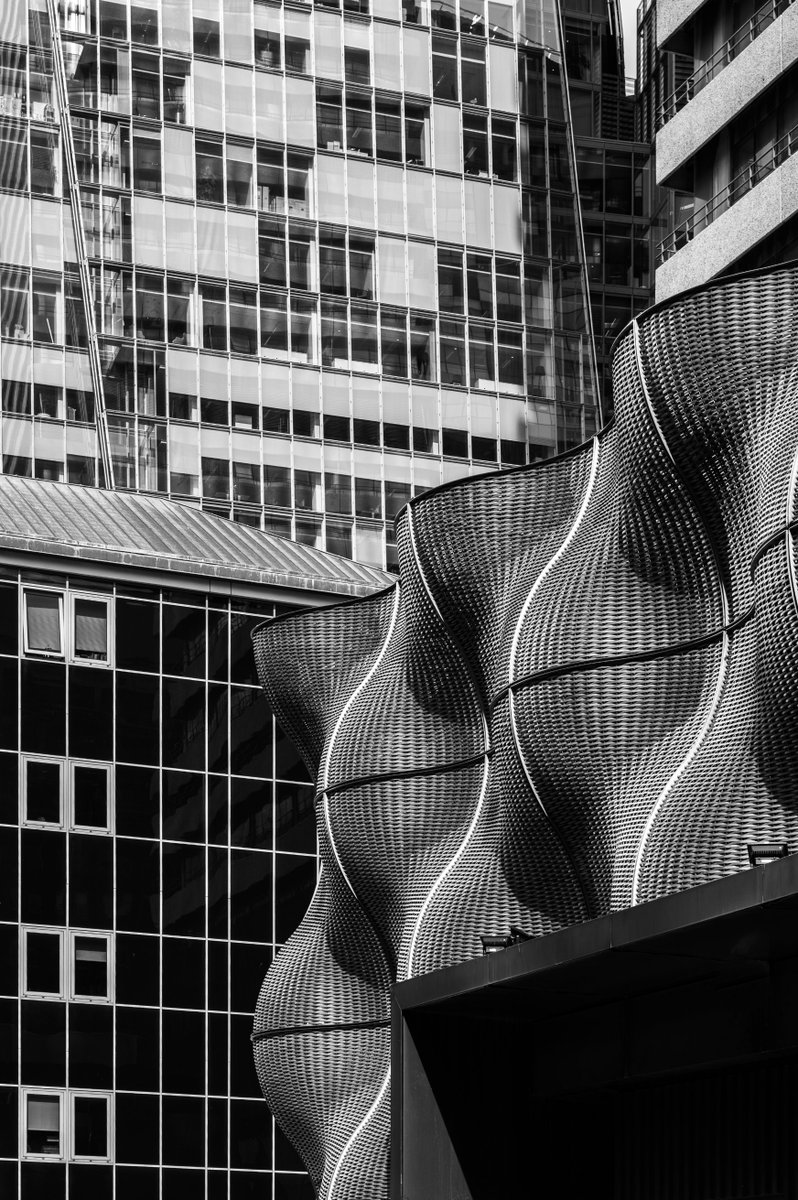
(109, 1108)
(23, 964)
(38, 591)
(95, 598)
(23, 790)
(98, 935)
(103, 830)
(32, 1093)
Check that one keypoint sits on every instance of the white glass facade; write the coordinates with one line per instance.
(334, 254)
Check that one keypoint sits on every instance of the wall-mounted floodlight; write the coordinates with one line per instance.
(761, 853)
(493, 942)
(519, 935)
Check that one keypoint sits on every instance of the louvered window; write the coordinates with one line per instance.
(43, 1135)
(44, 623)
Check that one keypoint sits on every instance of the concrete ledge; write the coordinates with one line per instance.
(745, 78)
(738, 230)
(672, 14)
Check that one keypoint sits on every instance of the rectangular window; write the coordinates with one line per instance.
(213, 316)
(361, 269)
(89, 794)
(91, 1127)
(417, 135)
(332, 264)
(46, 309)
(43, 963)
(43, 631)
(90, 966)
(90, 640)
(147, 161)
(42, 1125)
(42, 791)
(359, 138)
(13, 157)
(210, 172)
(388, 126)
(444, 67)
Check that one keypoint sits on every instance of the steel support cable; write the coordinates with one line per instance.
(723, 666)
(101, 415)
(546, 571)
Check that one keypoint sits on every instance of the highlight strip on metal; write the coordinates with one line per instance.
(357, 1132)
(790, 525)
(723, 666)
(547, 569)
(487, 755)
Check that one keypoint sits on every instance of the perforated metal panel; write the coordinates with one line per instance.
(581, 695)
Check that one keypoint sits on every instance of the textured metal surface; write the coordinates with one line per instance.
(120, 527)
(581, 695)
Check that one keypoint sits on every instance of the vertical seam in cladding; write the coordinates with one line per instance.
(789, 533)
(452, 863)
(355, 1134)
(724, 658)
(550, 565)
(326, 763)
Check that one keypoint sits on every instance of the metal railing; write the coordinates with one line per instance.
(741, 38)
(758, 169)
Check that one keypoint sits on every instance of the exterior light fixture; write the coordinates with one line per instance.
(493, 942)
(761, 853)
(519, 935)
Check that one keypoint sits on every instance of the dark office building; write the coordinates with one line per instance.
(157, 844)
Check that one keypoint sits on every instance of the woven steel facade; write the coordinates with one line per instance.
(580, 696)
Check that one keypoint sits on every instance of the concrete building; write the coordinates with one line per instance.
(157, 842)
(719, 93)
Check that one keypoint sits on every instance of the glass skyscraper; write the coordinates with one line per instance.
(334, 254)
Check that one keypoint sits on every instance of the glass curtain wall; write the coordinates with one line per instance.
(158, 844)
(332, 239)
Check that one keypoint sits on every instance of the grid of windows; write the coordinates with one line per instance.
(164, 832)
(234, 168)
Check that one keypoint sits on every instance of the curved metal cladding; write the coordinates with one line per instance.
(581, 695)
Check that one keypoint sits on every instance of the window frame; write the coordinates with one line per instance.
(96, 598)
(98, 935)
(25, 641)
(107, 829)
(26, 1094)
(32, 822)
(32, 993)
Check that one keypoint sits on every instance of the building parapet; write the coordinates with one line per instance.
(735, 229)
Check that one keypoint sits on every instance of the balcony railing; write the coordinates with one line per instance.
(757, 170)
(743, 37)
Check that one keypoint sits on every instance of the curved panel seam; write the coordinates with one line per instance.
(788, 539)
(712, 708)
(549, 567)
(326, 764)
(357, 1132)
(454, 639)
(452, 863)
(487, 755)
